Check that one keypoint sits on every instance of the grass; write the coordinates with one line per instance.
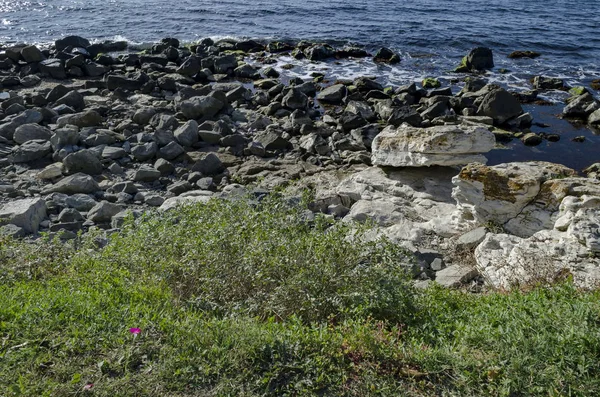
(239, 298)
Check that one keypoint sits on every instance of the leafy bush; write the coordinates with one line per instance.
(268, 259)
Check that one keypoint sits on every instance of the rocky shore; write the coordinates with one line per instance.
(91, 134)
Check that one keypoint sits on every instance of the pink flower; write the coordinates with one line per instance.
(88, 386)
(135, 331)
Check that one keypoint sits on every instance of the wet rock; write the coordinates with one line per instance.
(53, 68)
(579, 106)
(531, 139)
(333, 94)
(32, 54)
(524, 54)
(443, 145)
(71, 41)
(547, 83)
(295, 99)
(26, 213)
(500, 105)
(385, 55)
(319, 52)
(478, 59)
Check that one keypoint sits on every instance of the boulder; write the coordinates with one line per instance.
(408, 146)
(54, 68)
(89, 118)
(208, 164)
(78, 183)
(32, 54)
(333, 94)
(26, 213)
(500, 105)
(187, 134)
(84, 161)
(28, 132)
(295, 99)
(103, 212)
(71, 41)
(201, 106)
(569, 247)
(519, 197)
(30, 151)
(478, 59)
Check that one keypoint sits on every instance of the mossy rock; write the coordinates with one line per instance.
(577, 91)
(431, 82)
(462, 68)
(388, 90)
(351, 88)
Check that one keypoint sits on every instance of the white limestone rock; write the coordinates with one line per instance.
(408, 146)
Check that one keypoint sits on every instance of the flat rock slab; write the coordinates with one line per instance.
(455, 276)
(408, 146)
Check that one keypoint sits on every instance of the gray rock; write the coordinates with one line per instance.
(103, 212)
(28, 132)
(30, 116)
(272, 140)
(54, 68)
(85, 161)
(547, 83)
(171, 151)
(32, 54)
(333, 94)
(113, 153)
(190, 67)
(480, 58)
(70, 215)
(209, 164)
(154, 200)
(81, 202)
(500, 105)
(73, 99)
(164, 166)
(13, 231)
(26, 213)
(454, 276)
(89, 118)
(146, 173)
(71, 41)
(295, 99)
(144, 152)
(64, 137)
(78, 183)
(187, 134)
(201, 106)
(30, 151)
(143, 116)
(471, 239)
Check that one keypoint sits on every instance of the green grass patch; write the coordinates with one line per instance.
(258, 299)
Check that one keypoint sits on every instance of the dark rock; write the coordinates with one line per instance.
(294, 99)
(89, 118)
(28, 132)
(71, 41)
(547, 83)
(187, 134)
(404, 114)
(524, 54)
(531, 139)
(500, 105)
(319, 52)
(84, 161)
(385, 55)
(32, 54)
(171, 151)
(208, 164)
(145, 151)
(30, 151)
(146, 173)
(54, 68)
(201, 106)
(78, 183)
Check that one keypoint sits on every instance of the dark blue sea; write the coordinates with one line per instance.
(431, 36)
